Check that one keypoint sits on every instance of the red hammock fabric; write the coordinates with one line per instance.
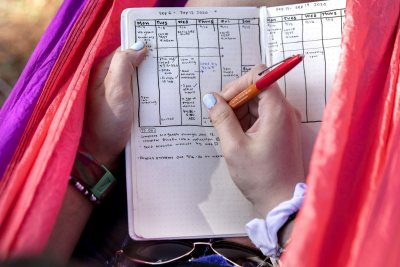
(351, 216)
(36, 180)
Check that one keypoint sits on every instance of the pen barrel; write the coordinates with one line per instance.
(244, 96)
(265, 81)
(278, 72)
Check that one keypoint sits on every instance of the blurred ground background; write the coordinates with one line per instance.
(22, 23)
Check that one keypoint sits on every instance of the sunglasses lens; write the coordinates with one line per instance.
(159, 252)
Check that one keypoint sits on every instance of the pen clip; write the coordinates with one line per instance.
(274, 65)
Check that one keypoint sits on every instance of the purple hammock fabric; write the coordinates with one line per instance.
(19, 106)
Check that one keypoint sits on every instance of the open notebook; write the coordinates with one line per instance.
(177, 182)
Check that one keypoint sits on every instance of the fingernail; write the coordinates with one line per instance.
(209, 100)
(137, 46)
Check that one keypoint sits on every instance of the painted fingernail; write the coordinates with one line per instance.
(137, 46)
(209, 100)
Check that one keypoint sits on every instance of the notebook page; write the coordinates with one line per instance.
(314, 30)
(179, 182)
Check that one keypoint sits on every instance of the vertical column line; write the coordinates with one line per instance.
(259, 41)
(179, 69)
(283, 53)
(241, 50)
(219, 53)
(198, 64)
(341, 22)
(137, 81)
(304, 67)
(158, 77)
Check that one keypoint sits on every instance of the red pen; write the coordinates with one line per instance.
(275, 74)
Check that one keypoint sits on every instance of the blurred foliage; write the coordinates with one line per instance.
(22, 22)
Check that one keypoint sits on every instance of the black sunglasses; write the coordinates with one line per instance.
(173, 251)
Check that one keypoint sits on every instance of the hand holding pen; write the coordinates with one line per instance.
(261, 142)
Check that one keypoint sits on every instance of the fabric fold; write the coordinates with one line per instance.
(353, 159)
(16, 111)
(34, 185)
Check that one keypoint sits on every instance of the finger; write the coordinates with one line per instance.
(126, 61)
(235, 87)
(270, 98)
(122, 66)
(275, 89)
(273, 109)
(103, 65)
(275, 96)
(263, 107)
(224, 120)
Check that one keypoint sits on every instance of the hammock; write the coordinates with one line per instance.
(350, 216)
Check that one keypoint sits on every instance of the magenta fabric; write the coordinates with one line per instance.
(172, 3)
(19, 106)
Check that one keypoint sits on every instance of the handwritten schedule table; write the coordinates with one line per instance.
(193, 57)
(197, 56)
(315, 35)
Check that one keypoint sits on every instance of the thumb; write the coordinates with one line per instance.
(124, 62)
(224, 120)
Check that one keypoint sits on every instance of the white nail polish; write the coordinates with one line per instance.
(209, 100)
(139, 45)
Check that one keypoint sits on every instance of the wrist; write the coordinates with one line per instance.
(267, 201)
(111, 162)
(103, 156)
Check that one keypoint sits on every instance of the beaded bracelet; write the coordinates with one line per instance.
(83, 189)
(91, 178)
